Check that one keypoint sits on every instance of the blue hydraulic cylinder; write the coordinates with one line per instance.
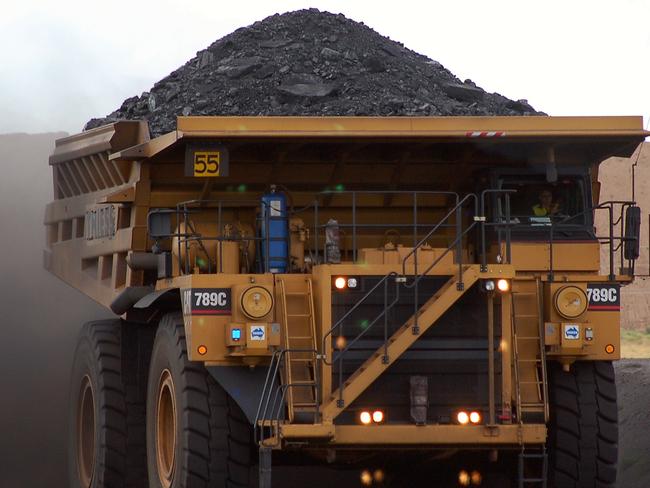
(274, 232)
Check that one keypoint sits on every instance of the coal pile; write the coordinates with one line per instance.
(309, 62)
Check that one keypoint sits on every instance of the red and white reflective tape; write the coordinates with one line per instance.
(485, 134)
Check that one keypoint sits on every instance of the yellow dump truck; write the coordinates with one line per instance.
(345, 289)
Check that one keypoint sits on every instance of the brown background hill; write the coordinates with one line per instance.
(616, 184)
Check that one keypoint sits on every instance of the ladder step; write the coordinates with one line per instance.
(297, 294)
(527, 338)
(300, 360)
(525, 316)
(300, 338)
(298, 315)
(528, 361)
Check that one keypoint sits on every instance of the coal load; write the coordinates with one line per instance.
(309, 62)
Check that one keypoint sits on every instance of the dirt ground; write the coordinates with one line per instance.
(633, 380)
(41, 317)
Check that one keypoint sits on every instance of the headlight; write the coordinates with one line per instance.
(488, 285)
(570, 301)
(340, 283)
(503, 285)
(256, 302)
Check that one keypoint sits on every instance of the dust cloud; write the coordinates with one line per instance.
(40, 319)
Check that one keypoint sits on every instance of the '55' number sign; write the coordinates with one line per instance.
(206, 160)
(206, 163)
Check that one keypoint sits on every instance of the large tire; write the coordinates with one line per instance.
(583, 430)
(106, 445)
(196, 435)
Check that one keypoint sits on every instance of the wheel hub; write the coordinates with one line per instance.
(86, 432)
(166, 428)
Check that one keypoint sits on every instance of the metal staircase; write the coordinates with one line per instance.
(299, 342)
(531, 385)
(399, 342)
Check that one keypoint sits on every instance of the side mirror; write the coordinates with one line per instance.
(631, 245)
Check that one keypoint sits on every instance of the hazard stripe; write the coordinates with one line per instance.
(485, 133)
(604, 307)
(211, 312)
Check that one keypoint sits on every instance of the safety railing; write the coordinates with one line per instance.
(354, 226)
(615, 243)
(462, 231)
(272, 404)
(186, 233)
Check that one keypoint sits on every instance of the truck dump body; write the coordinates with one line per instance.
(365, 282)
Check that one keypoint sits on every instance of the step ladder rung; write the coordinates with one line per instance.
(302, 315)
(527, 338)
(296, 294)
(526, 316)
(528, 360)
(299, 338)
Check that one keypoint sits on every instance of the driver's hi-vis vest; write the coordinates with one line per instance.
(539, 211)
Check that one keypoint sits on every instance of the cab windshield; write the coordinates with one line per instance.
(539, 203)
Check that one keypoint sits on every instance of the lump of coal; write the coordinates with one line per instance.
(309, 63)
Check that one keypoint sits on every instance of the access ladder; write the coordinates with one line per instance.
(299, 344)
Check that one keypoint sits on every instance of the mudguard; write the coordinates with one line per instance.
(243, 384)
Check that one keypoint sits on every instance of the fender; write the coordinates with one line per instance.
(243, 384)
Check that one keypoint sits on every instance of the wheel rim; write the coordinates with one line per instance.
(86, 432)
(166, 428)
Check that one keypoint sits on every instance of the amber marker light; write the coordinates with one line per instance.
(463, 478)
(476, 478)
(202, 350)
(609, 348)
(340, 283)
(365, 418)
(366, 478)
(463, 418)
(503, 285)
(378, 416)
(475, 417)
(379, 476)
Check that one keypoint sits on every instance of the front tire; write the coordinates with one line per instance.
(196, 435)
(106, 442)
(583, 430)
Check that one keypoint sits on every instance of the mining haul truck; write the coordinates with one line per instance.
(347, 290)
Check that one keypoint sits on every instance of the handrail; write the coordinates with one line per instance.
(274, 407)
(354, 225)
(423, 241)
(609, 205)
(508, 224)
(460, 234)
(339, 323)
